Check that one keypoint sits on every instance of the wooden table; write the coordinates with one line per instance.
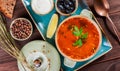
(7, 63)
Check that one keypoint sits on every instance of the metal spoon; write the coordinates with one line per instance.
(102, 8)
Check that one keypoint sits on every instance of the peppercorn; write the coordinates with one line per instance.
(21, 28)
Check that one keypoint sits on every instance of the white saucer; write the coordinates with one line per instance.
(44, 47)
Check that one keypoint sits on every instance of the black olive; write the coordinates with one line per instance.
(67, 11)
(67, 6)
(69, 2)
(72, 8)
(61, 3)
(61, 7)
(66, 2)
(71, 11)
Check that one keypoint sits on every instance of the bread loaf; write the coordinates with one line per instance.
(7, 7)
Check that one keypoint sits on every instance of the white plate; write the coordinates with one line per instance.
(44, 47)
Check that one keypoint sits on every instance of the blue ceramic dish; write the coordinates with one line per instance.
(42, 21)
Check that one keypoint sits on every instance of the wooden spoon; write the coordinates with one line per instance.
(102, 8)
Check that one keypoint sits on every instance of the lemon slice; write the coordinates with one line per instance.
(52, 26)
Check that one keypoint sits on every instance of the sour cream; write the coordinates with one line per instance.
(42, 6)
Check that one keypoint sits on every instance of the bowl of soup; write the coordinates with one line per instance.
(78, 38)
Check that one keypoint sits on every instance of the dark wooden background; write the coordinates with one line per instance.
(7, 63)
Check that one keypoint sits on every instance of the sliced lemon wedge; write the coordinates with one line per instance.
(52, 26)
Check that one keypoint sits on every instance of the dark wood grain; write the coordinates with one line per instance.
(7, 63)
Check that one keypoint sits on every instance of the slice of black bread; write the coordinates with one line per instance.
(7, 7)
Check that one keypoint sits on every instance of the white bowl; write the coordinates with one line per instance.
(35, 4)
(84, 59)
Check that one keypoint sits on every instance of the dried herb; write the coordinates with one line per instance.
(8, 45)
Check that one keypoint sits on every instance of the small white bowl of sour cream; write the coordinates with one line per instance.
(42, 7)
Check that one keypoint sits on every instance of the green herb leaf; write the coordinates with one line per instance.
(79, 33)
(84, 36)
(76, 31)
(78, 43)
(76, 28)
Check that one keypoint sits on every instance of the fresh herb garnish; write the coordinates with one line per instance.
(78, 43)
(81, 36)
(84, 36)
(77, 32)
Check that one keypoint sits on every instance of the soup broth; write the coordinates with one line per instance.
(66, 38)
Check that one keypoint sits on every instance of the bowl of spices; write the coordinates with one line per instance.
(66, 7)
(21, 29)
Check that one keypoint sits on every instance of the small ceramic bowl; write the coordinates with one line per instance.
(64, 14)
(65, 39)
(21, 29)
(36, 7)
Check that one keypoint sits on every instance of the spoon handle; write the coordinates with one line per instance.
(114, 28)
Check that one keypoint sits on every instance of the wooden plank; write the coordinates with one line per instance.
(11, 66)
(103, 66)
(114, 6)
(105, 24)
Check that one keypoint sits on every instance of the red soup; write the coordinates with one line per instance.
(77, 38)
